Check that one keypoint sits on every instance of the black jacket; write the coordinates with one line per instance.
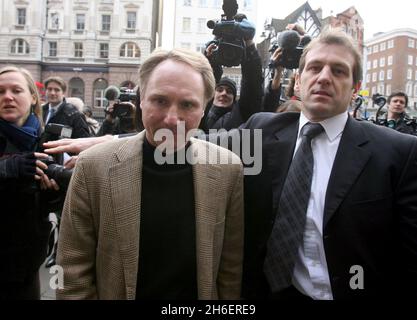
(370, 211)
(67, 114)
(250, 95)
(24, 227)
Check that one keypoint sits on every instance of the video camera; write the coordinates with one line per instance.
(113, 93)
(230, 35)
(292, 45)
(59, 173)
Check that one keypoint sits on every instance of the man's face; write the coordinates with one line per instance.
(54, 93)
(326, 83)
(223, 97)
(173, 94)
(397, 105)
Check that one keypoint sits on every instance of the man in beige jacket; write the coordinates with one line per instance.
(136, 227)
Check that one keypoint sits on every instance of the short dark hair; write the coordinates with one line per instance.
(398, 94)
(57, 80)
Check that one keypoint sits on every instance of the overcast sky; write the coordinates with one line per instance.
(378, 16)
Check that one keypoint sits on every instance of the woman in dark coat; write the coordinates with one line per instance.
(25, 191)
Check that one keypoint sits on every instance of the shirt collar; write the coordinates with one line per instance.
(333, 126)
(55, 107)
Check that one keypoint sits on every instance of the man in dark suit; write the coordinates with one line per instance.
(58, 111)
(359, 228)
(359, 233)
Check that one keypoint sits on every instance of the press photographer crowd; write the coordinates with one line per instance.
(332, 214)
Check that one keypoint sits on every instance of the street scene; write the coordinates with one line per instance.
(207, 150)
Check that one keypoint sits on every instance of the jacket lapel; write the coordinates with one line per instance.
(126, 186)
(206, 178)
(352, 156)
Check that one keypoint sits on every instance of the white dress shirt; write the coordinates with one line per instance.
(311, 275)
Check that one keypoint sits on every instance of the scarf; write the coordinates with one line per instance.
(25, 137)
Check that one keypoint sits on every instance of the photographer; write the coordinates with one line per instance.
(118, 123)
(27, 194)
(225, 112)
(272, 97)
(397, 118)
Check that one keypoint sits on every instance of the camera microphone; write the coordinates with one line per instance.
(289, 39)
(112, 93)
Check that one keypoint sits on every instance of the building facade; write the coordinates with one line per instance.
(89, 43)
(390, 64)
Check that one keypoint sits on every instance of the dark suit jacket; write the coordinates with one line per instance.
(370, 214)
(67, 114)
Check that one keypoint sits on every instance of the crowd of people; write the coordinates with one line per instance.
(334, 194)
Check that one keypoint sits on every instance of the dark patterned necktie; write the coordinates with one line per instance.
(289, 224)
(52, 112)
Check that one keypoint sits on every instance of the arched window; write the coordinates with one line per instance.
(99, 86)
(19, 46)
(129, 50)
(76, 88)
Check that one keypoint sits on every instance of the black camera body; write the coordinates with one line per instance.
(120, 109)
(292, 45)
(230, 34)
(59, 173)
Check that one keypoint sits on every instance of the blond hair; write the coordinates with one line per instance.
(195, 60)
(33, 89)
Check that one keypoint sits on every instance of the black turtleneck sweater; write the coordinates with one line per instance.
(167, 248)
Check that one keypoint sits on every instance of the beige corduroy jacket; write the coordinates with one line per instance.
(99, 236)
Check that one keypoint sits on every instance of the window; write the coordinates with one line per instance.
(78, 49)
(54, 21)
(390, 60)
(368, 65)
(375, 48)
(382, 62)
(390, 44)
(381, 76)
(382, 46)
(381, 88)
(76, 88)
(389, 74)
(409, 74)
(186, 45)
(19, 46)
(247, 4)
(217, 4)
(410, 60)
(202, 25)
(415, 76)
(374, 75)
(375, 64)
(21, 16)
(409, 89)
(186, 24)
(98, 87)
(411, 43)
(187, 3)
(388, 89)
(201, 47)
(53, 49)
(373, 90)
(105, 22)
(368, 78)
(129, 50)
(131, 20)
(202, 3)
(80, 21)
(369, 50)
(104, 50)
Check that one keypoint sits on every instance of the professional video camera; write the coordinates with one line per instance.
(59, 173)
(120, 109)
(230, 35)
(292, 45)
